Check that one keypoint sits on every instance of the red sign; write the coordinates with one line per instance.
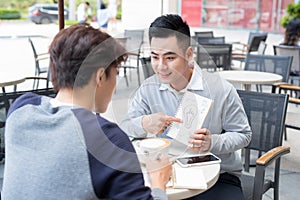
(191, 12)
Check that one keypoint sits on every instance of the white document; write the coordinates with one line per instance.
(189, 178)
(193, 110)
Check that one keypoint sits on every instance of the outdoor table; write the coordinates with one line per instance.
(247, 78)
(10, 79)
(211, 174)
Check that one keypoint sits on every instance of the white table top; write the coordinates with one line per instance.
(8, 79)
(211, 174)
(250, 77)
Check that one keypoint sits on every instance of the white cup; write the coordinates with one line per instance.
(154, 149)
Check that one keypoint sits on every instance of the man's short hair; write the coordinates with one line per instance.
(79, 51)
(171, 25)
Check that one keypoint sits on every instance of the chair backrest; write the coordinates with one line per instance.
(134, 40)
(262, 48)
(214, 56)
(294, 51)
(254, 40)
(33, 48)
(204, 34)
(266, 114)
(269, 63)
(35, 55)
(211, 40)
(147, 67)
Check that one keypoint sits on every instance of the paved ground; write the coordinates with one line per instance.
(16, 56)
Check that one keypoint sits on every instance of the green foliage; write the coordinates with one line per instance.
(293, 12)
(9, 14)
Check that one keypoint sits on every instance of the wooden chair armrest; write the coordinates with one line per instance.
(43, 57)
(287, 86)
(271, 155)
(240, 56)
(43, 54)
(242, 48)
(290, 87)
(294, 100)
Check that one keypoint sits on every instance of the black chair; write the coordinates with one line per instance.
(134, 42)
(214, 56)
(204, 34)
(38, 69)
(211, 40)
(240, 50)
(292, 117)
(266, 114)
(6, 99)
(294, 51)
(269, 63)
(201, 34)
(147, 68)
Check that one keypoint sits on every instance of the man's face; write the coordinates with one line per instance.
(170, 62)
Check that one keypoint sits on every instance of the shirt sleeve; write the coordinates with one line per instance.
(236, 130)
(159, 194)
(132, 123)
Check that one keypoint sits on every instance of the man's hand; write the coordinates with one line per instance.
(159, 175)
(156, 123)
(200, 140)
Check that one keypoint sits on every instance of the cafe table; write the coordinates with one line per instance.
(10, 79)
(248, 78)
(210, 172)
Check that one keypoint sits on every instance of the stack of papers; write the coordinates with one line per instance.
(189, 178)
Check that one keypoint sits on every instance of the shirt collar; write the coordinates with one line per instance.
(196, 82)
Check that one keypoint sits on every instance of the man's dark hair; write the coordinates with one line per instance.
(87, 3)
(77, 52)
(171, 25)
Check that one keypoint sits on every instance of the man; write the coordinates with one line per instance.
(83, 12)
(226, 127)
(63, 149)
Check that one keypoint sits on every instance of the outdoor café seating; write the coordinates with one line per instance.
(266, 113)
(294, 51)
(39, 69)
(240, 50)
(7, 98)
(213, 57)
(292, 118)
(269, 63)
(133, 42)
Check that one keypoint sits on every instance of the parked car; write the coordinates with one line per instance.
(45, 13)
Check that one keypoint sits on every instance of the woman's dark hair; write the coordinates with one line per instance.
(292, 33)
(171, 25)
(77, 52)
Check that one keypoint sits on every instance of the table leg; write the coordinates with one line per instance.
(247, 87)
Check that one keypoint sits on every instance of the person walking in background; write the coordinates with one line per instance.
(102, 16)
(113, 10)
(84, 12)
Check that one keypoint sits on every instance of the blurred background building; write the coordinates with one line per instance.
(260, 15)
